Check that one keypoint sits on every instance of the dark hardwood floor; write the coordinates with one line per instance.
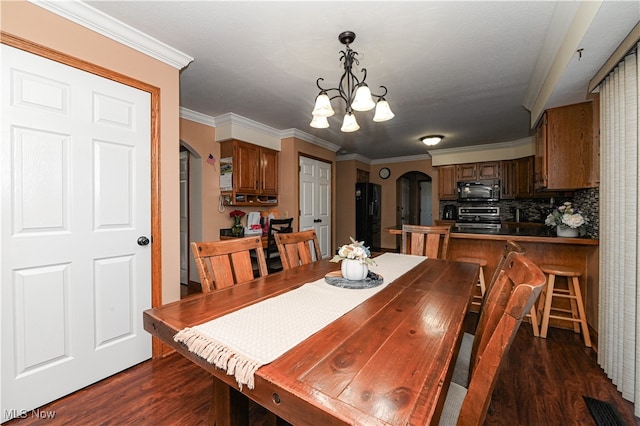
(542, 383)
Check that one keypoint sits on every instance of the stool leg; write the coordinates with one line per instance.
(534, 321)
(539, 305)
(547, 306)
(574, 309)
(583, 316)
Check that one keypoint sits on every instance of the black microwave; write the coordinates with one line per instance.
(479, 191)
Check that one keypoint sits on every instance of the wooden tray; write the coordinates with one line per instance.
(336, 279)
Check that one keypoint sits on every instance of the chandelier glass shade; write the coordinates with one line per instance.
(355, 93)
(349, 124)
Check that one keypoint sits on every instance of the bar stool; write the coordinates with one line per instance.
(477, 299)
(573, 293)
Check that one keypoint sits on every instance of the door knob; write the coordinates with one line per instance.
(143, 241)
(317, 220)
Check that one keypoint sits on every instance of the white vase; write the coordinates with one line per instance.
(566, 232)
(354, 270)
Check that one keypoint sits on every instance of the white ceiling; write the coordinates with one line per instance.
(465, 70)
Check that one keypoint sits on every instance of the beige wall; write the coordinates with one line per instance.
(346, 177)
(201, 139)
(389, 192)
(30, 22)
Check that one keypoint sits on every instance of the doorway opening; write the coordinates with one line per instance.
(190, 216)
(414, 204)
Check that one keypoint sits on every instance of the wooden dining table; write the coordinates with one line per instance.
(388, 361)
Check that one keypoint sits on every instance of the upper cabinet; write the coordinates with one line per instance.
(523, 177)
(516, 180)
(507, 180)
(478, 171)
(565, 148)
(254, 175)
(447, 189)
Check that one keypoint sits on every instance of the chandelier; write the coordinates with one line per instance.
(355, 93)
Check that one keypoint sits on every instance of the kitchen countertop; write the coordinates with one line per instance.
(526, 232)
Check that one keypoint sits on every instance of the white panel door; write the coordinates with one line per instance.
(75, 198)
(315, 201)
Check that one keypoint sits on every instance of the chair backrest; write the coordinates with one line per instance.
(430, 241)
(227, 262)
(516, 289)
(295, 248)
(276, 226)
(509, 246)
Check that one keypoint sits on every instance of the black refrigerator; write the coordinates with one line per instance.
(368, 199)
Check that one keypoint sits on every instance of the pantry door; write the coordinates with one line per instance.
(76, 220)
(315, 201)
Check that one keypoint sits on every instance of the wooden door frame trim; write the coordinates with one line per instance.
(156, 230)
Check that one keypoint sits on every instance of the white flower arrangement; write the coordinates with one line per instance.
(566, 216)
(356, 251)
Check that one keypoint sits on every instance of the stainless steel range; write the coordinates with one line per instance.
(478, 218)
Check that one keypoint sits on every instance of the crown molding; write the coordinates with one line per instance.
(404, 159)
(487, 152)
(197, 117)
(299, 134)
(95, 20)
(356, 157)
(486, 147)
(389, 160)
(231, 119)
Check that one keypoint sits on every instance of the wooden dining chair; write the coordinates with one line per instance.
(514, 292)
(463, 362)
(225, 263)
(430, 241)
(296, 248)
(274, 263)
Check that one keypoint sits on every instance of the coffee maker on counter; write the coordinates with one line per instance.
(450, 212)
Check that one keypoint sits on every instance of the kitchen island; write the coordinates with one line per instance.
(543, 247)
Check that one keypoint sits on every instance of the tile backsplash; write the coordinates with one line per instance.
(587, 200)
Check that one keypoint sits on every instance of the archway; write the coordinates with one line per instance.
(413, 199)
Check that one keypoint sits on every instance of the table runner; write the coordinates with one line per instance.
(244, 340)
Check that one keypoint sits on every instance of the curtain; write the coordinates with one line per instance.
(619, 310)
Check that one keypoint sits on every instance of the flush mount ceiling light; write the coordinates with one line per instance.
(355, 93)
(431, 139)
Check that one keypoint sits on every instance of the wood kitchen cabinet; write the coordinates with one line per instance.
(447, 188)
(564, 146)
(478, 171)
(254, 175)
(507, 179)
(523, 177)
(467, 171)
(517, 180)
